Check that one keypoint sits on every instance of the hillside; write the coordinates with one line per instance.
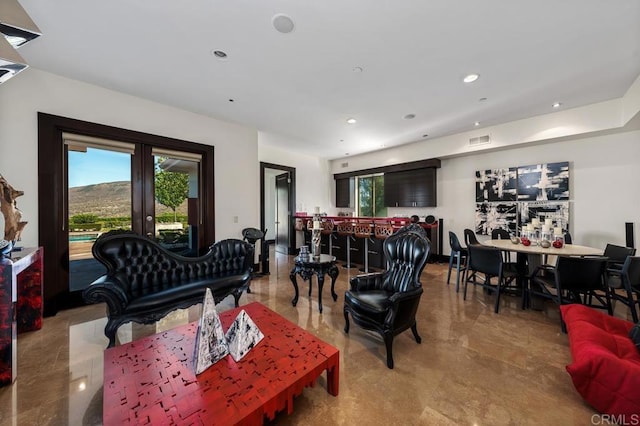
(111, 199)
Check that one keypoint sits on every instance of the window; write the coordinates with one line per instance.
(371, 196)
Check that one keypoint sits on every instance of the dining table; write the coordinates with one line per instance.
(537, 255)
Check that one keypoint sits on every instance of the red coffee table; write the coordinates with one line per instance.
(152, 380)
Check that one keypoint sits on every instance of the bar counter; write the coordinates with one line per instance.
(356, 246)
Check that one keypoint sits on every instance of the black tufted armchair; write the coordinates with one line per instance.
(387, 302)
(144, 282)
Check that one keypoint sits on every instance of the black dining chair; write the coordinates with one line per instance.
(488, 261)
(627, 288)
(567, 238)
(460, 254)
(574, 280)
(470, 239)
(616, 256)
(502, 234)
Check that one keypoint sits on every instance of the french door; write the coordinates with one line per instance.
(98, 178)
(99, 198)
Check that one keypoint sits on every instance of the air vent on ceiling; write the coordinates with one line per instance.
(345, 165)
(480, 140)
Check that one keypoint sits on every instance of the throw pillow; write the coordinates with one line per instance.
(634, 334)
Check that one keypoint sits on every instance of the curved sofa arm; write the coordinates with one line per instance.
(366, 281)
(405, 305)
(405, 295)
(107, 289)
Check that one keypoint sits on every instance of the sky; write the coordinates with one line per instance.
(98, 166)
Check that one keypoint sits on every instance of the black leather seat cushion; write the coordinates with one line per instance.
(374, 301)
(184, 292)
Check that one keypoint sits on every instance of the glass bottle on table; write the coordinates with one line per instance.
(558, 238)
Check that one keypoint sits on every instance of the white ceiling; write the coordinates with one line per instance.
(302, 86)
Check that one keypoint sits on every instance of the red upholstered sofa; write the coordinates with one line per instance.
(606, 363)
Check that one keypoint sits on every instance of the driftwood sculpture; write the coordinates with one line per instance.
(13, 226)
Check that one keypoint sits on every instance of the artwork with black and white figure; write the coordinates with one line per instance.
(490, 216)
(544, 182)
(496, 185)
(557, 212)
(242, 336)
(211, 344)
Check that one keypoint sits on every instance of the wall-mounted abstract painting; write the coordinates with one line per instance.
(544, 182)
(490, 216)
(557, 212)
(496, 185)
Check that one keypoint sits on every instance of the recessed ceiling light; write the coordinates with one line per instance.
(477, 123)
(356, 69)
(219, 54)
(231, 100)
(482, 99)
(557, 105)
(346, 153)
(283, 23)
(341, 140)
(471, 78)
(351, 120)
(409, 116)
(425, 135)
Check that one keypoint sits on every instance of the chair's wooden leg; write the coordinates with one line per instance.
(458, 272)
(497, 308)
(388, 342)
(110, 331)
(465, 279)
(346, 321)
(414, 330)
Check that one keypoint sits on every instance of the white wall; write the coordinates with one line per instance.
(314, 183)
(604, 182)
(236, 152)
(604, 177)
(601, 142)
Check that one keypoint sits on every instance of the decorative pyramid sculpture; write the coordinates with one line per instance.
(243, 335)
(211, 344)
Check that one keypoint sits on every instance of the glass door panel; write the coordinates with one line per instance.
(176, 201)
(99, 200)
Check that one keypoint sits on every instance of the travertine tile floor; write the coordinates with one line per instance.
(473, 367)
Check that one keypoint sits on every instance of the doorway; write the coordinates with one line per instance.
(282, 213)
(95, 178)
(277, 205)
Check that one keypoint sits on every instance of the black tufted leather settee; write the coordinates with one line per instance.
(144, 282)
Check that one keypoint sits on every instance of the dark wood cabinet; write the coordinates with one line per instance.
(344, 191)
(411, 188)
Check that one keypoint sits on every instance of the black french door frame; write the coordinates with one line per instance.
(52, 195)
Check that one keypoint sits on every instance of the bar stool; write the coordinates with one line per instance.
(381, 231)
(345, 229)
(327, 229)
(363, 230)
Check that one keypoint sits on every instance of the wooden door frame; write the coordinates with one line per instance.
(52, 182)
(292, 199)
